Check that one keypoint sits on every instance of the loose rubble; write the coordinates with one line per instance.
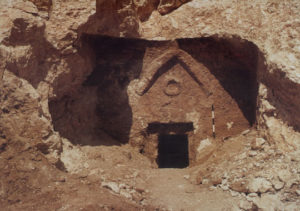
(261, 176)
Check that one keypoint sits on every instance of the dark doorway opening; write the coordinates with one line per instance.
(173, 151)
(172, 127)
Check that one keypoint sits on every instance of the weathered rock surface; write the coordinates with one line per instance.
(257, 143)
(259, 185)
(266, 180)
(197, 16)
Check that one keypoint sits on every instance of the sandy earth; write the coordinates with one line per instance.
(168, 188)
(161, 189)
(120, 178)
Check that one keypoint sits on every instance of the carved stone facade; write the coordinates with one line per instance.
(174, 96)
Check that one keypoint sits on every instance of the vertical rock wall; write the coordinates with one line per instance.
(47, 55)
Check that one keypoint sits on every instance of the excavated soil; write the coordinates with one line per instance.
(132, 184)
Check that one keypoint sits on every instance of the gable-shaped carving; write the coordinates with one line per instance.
(165, 62)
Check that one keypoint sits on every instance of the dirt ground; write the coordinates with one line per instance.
(112, 178)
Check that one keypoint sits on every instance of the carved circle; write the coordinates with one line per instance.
(172, 88)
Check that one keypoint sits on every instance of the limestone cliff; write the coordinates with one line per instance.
(46, 52)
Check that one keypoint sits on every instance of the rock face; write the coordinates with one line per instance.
(55, 77)
(24, 118)
(166, 6)
(125, 18)
(43, 5)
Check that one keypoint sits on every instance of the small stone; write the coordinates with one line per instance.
(245, 205)
(295, 156)
(245, 132)
(140, 190)
(298, 192)
(256, 164)
(224, 187)
(212, 188)
(283, 175)
(61, 179)
(257, 143)
(135, 174)
(279, 153)
(122, 186)
(251, 197)
(294, 171)
(186, 177)
(216, 180)
(199, 179)
(242, 156)
(259, 185)
(125, 194)
(278, 185)
(239, 186)
(243, 195)
(252, 153)
(132, 191)
(143, 202)
(205, 181)
(234, 193)
(137, 197)
(270, 152)
(225, 175)
(112, 186)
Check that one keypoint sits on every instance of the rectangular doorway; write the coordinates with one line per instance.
(173, 151)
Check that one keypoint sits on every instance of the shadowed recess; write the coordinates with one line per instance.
(178, 127)
(234, 63)
(99, 110)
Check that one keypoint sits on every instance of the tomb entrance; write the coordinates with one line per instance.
(145, 92)
(173, 145)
